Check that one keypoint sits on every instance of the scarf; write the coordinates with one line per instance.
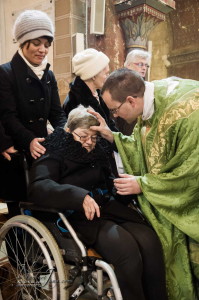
(148, 101)
(38, 70)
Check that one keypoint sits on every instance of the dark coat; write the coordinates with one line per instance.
(5, 141)
(66, 173)
(26, 103)
(81, 94)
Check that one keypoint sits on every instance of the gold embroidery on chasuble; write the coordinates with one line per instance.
(179, 109)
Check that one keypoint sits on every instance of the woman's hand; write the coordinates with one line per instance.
(90, 208)
(9, 151)
(36, 149)
(103, 128)
(127, 185)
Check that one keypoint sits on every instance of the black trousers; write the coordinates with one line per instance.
(136, 254)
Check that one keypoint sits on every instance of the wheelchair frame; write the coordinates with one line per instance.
(38, 267)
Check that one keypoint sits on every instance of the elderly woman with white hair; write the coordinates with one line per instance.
(74, 174)
(138, 60)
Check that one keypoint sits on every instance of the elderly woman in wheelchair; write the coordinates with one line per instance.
(74, 178)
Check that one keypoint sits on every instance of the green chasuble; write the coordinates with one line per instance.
(164, 153)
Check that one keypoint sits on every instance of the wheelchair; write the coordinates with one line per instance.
(42, 257)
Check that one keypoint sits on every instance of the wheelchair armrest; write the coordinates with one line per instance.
(33, 206)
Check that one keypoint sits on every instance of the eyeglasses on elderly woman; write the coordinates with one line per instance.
(85, 138)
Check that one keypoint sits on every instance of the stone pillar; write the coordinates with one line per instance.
(69, 19)
(139, 17)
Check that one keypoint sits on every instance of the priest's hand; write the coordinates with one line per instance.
(127, 185)
(103, 128)
(90, 207)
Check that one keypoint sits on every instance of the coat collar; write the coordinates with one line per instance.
(21, 69)
(62, 143)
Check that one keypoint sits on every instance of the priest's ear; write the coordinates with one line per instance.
(132, 100)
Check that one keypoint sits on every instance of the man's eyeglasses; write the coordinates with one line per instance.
(141, 65)
(84, 138)
(115, 110)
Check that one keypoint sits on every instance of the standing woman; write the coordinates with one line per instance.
(28, 89)
(91, 68)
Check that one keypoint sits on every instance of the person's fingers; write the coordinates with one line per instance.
(95, 128)
(96, 114)
(123, 193)
(11, 150)
(41, 139)
(35, 154)
(125, 175)
(97, 209)
(39, 146)
(7, 156)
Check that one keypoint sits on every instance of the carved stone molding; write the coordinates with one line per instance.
(184, 58)
(139, 17)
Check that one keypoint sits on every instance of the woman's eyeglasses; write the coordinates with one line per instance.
(84, 138)
(141, 65)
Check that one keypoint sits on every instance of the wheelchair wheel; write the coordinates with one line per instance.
(31, 265)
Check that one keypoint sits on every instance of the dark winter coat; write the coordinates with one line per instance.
(66, 173)
(5, 141)
(26, 102)
(81, 94)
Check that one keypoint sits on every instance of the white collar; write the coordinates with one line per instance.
(148, 109)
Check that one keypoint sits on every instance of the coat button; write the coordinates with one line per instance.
(32, 100)
(41, 99)
(41, 119)
(28, 80)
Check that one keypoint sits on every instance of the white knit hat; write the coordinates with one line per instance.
(89, 63)
(32, 24)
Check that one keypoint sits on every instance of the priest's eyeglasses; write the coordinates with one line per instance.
(115, 110)
(141, 65)
(84, 138)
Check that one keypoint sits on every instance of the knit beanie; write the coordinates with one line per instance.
(32, 24)
(89, 63)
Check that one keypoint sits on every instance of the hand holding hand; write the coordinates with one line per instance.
(36, 149)
(90, 208)
(9, 151)
(127, 185)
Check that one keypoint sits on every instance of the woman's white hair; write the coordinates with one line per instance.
(135, 54)
(80, 117)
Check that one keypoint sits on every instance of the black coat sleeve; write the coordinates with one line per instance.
(45, 190)
(8, 110)
(57, 116)
(5, 141)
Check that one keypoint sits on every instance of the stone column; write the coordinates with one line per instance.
(139, 17)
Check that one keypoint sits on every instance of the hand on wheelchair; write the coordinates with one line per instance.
(90, 207)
